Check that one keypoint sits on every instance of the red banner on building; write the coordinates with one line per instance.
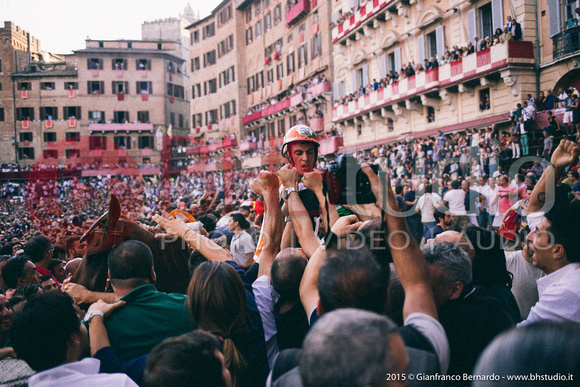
(25, 124)
(72, 122)
(120, 96)
(143, 73)
(71, 93)
(119, 73)
(24, 94)
(48, 124)
(144, 96)
(95, 72)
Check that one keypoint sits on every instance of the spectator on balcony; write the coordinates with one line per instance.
(409, 71)
(483, 44)
(562, 96)
(549, 101)
(568, 103)
(516, 29)
(497, 35)
(540, 101)
(575, 112)
(433, 63)
(506, 35)
(376, 85)
(470, 48)
(571, 22)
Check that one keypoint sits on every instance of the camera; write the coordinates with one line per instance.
(349, 185)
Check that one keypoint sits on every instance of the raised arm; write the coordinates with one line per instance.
(313, 181)
(177, 228)
(273, 226)
(409, 262)
(297, 212)
(543, 194)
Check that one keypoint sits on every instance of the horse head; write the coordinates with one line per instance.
(110, 230)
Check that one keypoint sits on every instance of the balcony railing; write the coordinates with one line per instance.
(316, 90)
(293, 100)
(566, 42)
(229, 143)
(330, 145)
(370, 9)
(252, 117)
(247, 146)
(297, 10)
(514, 53)
(316, 124)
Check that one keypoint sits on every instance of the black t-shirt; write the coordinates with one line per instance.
(292, 327)
(471, 322)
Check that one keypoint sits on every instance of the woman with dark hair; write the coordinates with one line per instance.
(221, 302)
(489, 268)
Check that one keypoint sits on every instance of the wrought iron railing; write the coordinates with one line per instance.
(566, 42)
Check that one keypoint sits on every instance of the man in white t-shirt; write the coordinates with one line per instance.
(427, 204)
(454, 199)
(242, 246)
(524, 287)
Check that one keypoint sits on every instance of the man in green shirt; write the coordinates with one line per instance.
(150, 316)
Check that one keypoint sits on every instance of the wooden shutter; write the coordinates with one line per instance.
(421, 48)
(497, 14)
(554, 17)
(440, 37)
(397, 53)
(384, 68)
(471, 25)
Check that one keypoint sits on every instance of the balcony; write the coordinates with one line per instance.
(294, 100)
(316, 124)
(318, 89)
(252, 117)
(329, 145)
(121, 127)
(273, 109)
(229, 143)
(247, 146)
(252, 162)
(370, 9)
(204, 166)
(513, 54)
(299, 9)
(566, 42)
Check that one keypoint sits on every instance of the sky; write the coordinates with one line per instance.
(63, 25)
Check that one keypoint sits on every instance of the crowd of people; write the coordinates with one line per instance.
(292, 286)
(511, 31)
